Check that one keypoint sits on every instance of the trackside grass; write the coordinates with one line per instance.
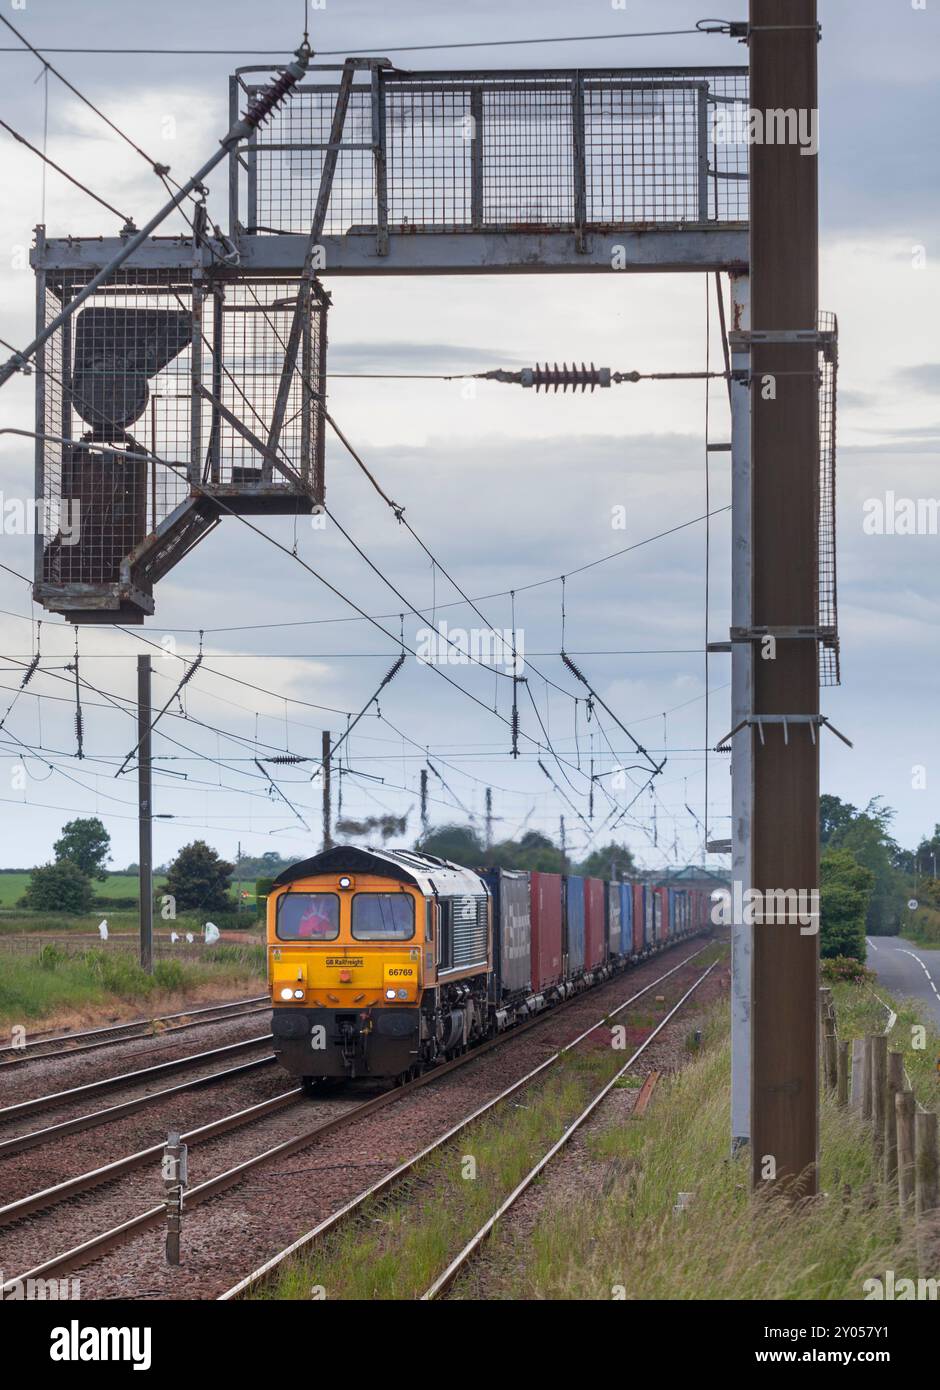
(630, 1243)
(65, 984)
(608, 1228)
(398, 1245)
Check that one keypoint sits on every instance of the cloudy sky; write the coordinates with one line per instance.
(506, 488)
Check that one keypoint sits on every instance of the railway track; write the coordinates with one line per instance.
(390, 1180)
(37, 1138)
(58, 1099)
(11, 1056)
(103, 1242)
(471, 1249)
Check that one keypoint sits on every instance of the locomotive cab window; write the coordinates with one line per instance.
(307, 917)
(383, 917)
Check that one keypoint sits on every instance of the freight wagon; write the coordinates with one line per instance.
(384, 962)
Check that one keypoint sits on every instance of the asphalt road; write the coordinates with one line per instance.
(909, 971)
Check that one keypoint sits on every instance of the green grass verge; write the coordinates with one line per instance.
(612, 1231)
(56, 980)
(397, 1246)
(859, 1012)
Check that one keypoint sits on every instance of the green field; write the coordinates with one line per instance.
(59, 984)
(13, 886)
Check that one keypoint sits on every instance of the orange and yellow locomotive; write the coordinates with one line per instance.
(378, 962)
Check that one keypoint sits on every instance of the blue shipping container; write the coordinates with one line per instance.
(512, 932)
(626, 918)
(574, 923)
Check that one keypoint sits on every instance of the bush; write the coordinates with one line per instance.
(169, 974)
(58, 887)
(843, 969)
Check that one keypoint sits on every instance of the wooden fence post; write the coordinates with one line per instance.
(926, 1191)
(895, 1086)
(842, 1078)
(879, 1091)
(905, 1105)
(925, 1162)
(866, 1080)
(858, 1071)
(832, 1063)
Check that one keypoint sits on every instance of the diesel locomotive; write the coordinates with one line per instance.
(382, 962)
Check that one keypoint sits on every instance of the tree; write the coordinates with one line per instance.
(613, 861)
(58, 887)
(926, 857)
(845, 892)
(267, 865)
(87, 844)
(198, 878)
(460, 843)
(533, 851)
(867, 834)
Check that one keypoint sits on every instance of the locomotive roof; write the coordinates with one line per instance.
(425, 871)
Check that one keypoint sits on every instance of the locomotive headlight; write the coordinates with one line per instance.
(287, 994)
(389, 994)
(298, 994)
(345, 882)
(403, 994)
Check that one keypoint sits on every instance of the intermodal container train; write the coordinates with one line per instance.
(383, 962)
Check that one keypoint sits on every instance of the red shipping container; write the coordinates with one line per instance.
(546, 929)
(595, 947)
(639, 918)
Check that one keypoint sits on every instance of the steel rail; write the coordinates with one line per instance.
(443, 1281)
(132, 1037)
(43, 1041)
(130, 1078)
(37, 1137)
(108, 1240)
(85, 1182)
(390, 1179)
